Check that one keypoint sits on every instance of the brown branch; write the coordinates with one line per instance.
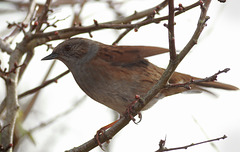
(4, 74)
(149, 18)
(42, 85)
(43, 17)
(162, 148)
(122, 35)
(41, 38)
(171, 23)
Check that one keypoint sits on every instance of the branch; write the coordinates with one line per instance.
(11, 99)
(41, 38)
(27, 19)
(162, 147)
(207, 79)
(171, 37)
(5, 47)
(5, 75)
(50, 121)
(42, 85)
(43, 17)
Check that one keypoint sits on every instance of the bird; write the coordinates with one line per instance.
(113, 75)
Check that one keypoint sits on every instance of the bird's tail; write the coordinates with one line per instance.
(218, 85)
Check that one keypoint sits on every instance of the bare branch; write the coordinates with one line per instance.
(162, 148)
(27, 19)
(207, 79)
(52, 120)
(42, 85)
(41, 38)
(170, 26)
(5, 47)
(43, 17)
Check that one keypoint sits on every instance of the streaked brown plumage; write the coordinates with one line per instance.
(113, 75)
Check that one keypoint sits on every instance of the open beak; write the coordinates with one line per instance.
(51, 56)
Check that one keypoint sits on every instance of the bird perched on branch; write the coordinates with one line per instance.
(113, 75)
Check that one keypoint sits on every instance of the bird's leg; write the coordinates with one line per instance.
(130, 110)
(128, 113)
(101, 132)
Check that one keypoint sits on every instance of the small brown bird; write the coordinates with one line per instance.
(113, 75)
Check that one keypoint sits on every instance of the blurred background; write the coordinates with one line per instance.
(72, 118)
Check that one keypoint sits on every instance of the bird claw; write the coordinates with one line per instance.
(130, 111)
(99, 133)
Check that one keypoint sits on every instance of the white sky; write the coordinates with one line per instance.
(174, 116)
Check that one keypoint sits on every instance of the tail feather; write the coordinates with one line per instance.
(218, 85)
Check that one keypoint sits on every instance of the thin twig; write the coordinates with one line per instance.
(52, 120)
(171, 23)
(122, 35)
(42, 85)
(26, 62)
(27, 19)
(41, 38)
(207, 79)
(43, 17)
(190, 145)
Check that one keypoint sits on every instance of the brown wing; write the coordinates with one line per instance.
(128, 54)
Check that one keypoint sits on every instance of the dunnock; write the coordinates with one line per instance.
(113, 75)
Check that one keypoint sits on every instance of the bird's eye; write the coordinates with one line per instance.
(67, 47)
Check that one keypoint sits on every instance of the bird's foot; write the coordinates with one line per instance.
(101, 131)
(130, 111)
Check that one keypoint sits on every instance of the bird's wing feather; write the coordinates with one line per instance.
(128, 54)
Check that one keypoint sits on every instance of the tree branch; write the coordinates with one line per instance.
(46, 83)
(162, 147)
(5, 47)
(171, 23)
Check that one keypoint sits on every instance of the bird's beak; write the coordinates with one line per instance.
(51, 56)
